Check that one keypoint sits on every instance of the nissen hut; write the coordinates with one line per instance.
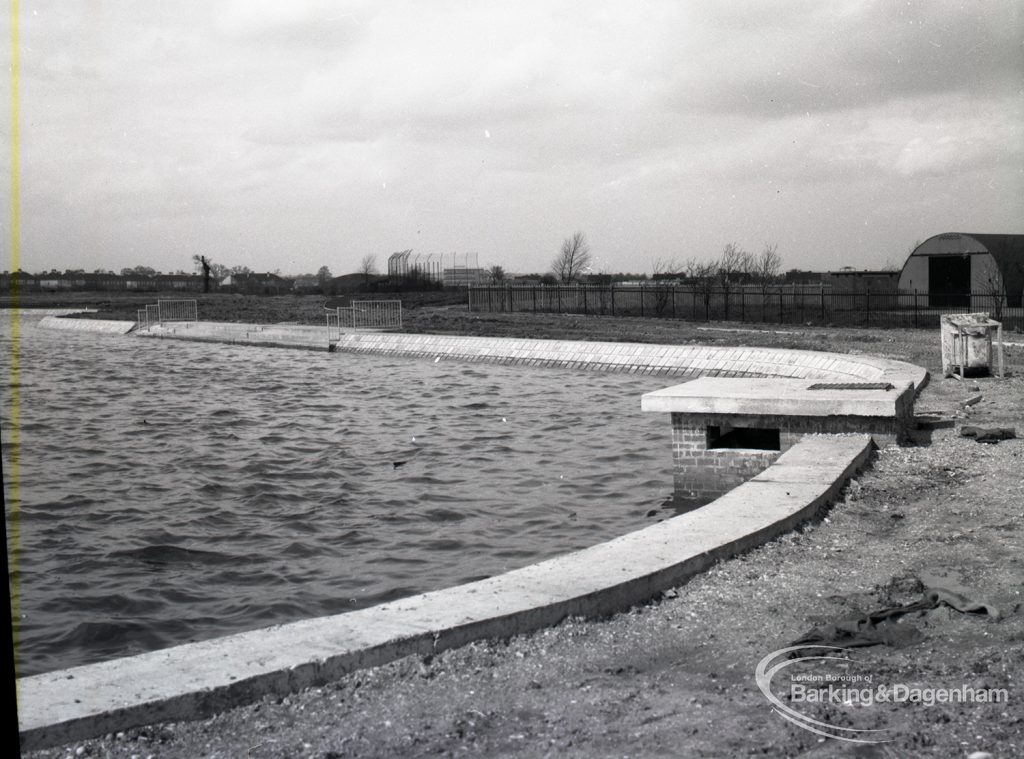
(959, 270)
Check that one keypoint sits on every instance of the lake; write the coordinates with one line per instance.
(175, 491)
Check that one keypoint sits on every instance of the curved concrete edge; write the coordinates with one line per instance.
(296, 337)
(256, 343)
(634, 358)
(641, 358)
(195, 680)
(33, 312)
(112, 326)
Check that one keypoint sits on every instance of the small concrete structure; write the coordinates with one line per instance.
(726, 430)
(967, 343)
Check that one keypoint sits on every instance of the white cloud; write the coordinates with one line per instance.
(320, 127)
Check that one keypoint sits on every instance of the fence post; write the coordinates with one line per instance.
(584, 300)
(782, 319)
(611, 293)
(867, 309)
(821, 293)
(641, 300)
(673, 291)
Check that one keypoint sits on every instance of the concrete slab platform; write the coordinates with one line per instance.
(776, 397)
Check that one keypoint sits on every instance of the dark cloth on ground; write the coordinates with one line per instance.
(882, 627)
(988, 434)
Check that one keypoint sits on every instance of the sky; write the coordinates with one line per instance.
(294, 135)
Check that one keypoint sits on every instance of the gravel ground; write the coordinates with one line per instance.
(676, 677)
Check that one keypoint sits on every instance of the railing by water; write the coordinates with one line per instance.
(364, 314)
(785, 304)
(168, 311)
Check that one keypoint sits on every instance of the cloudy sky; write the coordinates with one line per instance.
(294, 134)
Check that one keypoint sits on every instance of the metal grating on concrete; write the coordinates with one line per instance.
(851, 386)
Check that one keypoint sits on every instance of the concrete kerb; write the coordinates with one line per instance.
(194, 680)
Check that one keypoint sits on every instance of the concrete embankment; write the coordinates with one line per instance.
(194, 680)
(639, 358)
(110, 326)
(32, 313)
(295, 336)
(634, 358)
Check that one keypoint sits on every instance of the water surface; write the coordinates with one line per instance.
(175, 491)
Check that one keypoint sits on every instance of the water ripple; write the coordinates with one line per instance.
(177, 491)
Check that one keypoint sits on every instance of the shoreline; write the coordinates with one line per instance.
(495, 730)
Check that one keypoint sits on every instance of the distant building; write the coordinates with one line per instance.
(952, 266)
(353, 283)
(800, 277)
(463, 277)
(191, 282)
(256, 284)
(861, 281)
(20, 280)
(307, 283)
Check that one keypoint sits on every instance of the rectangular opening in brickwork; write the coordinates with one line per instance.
(762, 439)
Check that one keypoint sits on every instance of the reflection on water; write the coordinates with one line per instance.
(174, 491)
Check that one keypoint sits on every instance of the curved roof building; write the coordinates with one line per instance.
(954, 266)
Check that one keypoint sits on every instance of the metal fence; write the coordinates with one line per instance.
(177, 311)
(167, 311)
(364, 314)
(376, 314)
(780, 304)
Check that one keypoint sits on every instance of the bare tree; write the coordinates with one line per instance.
(734, 265)
(663, 292)
(497, 273)
(664, 266)
(572, 259)
(766, 267)
(993, 290)
(733, 268)
(368, 268)
(702, 276)
(202, 264)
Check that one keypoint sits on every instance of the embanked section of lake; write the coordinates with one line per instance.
(176, 491)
